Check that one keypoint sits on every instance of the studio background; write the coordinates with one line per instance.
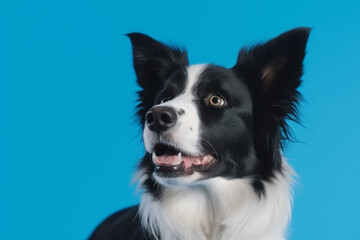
(69, 143)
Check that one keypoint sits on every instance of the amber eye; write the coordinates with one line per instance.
(216, 101)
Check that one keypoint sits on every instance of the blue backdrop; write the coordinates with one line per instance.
(68, 140)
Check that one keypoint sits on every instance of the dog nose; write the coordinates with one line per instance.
(160, 119)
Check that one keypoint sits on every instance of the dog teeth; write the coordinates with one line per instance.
(171, 160)
(205, 159)
(179, 158)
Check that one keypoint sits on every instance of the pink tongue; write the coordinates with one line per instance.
(173, 160)
(167, 160)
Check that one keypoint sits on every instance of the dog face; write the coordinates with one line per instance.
(199, 119)
(203, 121)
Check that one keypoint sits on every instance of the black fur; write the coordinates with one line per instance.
(246, 136)
(124, 224)
(272, 71)
(154, 62)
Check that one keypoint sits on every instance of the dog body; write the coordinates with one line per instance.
(213, 136)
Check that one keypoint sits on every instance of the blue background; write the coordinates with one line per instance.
(68, 140)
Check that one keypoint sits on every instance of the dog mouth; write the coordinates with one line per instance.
(172, 162)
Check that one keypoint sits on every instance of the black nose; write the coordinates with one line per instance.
(160, 119)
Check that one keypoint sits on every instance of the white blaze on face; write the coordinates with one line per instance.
(185, 135)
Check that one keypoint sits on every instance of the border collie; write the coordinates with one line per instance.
(213, 167)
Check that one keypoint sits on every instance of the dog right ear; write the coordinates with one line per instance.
(154, 62)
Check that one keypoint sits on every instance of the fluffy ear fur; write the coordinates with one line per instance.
(272, 72)
(154, 62)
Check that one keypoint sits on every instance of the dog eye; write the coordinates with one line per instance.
(216, 101)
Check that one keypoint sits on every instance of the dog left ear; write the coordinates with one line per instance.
(273, 70)
(276, 66)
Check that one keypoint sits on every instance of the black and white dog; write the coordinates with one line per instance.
(213, 167)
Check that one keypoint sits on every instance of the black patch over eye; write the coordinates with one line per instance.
(216, 100)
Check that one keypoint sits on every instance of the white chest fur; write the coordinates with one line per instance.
(220, 209)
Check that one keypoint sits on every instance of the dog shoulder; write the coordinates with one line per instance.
(124, 224)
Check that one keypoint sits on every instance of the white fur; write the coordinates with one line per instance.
(178, 180)
(220, 209)
(213, 209)
(185, 135)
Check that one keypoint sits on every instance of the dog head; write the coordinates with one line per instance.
(202, 121)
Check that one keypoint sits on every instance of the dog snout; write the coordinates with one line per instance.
(160, 119)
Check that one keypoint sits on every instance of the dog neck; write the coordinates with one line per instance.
(220, 208)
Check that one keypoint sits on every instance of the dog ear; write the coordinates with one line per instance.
(154, 62)
(272, 72)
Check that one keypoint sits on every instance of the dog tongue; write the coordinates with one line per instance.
(174, 160)
(167, 160)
